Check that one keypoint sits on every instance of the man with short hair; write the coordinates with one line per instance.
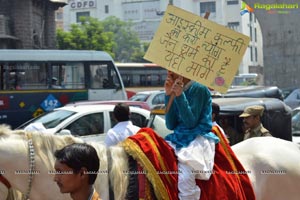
(123, 129)
(76, 168)
(252, 122)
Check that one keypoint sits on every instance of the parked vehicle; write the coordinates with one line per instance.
(292, 99)
(296, 125)
(255, 91)
(139, 104)
(90, 122)
(151, 97)
(276, 118)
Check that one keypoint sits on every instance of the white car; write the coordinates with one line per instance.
(296, 125)
(90, 122)
(151, 97)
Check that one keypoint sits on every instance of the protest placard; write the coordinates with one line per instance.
(197, 48)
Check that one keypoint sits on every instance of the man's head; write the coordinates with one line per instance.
(121, 112)
(251, 116)
(54, 80)
(76, 165)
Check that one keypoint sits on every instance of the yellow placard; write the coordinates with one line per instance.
(197, 48)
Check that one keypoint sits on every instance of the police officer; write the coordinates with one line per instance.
(252, 122)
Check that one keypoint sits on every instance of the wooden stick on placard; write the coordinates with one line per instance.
(173, 95)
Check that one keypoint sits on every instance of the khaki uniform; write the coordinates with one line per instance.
(257, 132)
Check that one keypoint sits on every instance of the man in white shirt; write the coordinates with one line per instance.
(123, 129)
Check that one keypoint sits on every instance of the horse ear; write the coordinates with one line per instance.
(5, 129)
(70, 139)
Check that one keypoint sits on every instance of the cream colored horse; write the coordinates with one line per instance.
(273, 165)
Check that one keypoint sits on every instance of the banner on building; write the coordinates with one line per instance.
(197, 48)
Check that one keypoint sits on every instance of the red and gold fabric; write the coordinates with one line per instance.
(229, 181)
(158, 161)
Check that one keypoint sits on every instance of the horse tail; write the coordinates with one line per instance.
(118, 173)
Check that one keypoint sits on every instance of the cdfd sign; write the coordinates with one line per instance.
(82, 4)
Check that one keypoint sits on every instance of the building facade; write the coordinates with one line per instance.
(28, 24)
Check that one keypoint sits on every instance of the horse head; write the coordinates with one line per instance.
(27, 160)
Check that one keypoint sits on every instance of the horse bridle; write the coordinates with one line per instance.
(31, 157)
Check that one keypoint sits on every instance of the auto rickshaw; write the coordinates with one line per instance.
(276, 117)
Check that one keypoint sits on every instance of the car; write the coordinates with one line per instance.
(89, 122)
(277, 115)
(151, 97)
(139, 104)
(296, 125)
(292, 98)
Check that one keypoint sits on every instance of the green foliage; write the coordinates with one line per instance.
(89, 35)
(111, 35)
(128, 42)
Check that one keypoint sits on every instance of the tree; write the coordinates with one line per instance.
(89, 35)
(111, 35)
(128, 46)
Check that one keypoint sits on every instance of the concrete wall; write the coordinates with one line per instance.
(281, 41)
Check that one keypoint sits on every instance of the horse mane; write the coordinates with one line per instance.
(14, 194)
(46, 144)
(5, 130)
(119, 169)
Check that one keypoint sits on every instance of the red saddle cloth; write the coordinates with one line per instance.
(158, 161)
(159, 164)
(229, 181)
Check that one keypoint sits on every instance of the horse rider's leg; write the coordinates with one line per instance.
(188, 190)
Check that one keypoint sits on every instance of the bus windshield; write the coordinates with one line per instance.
(37, 81)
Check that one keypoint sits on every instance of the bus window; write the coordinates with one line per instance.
(33, 82)
(68, 76)
(104, 76)
(142, 74)
(17, 76)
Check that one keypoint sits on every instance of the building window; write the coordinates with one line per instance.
(81, 14)
(232, 2)
(255, 34)
(251, 37)
(255, 53)
(233, 25)
(58, 15)
(251, 54)
(207, 7)
(106, 8)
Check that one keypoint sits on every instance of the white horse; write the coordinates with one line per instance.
(274, 166)
(15, 163)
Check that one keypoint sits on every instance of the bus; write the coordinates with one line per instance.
(37, 81)
(142, 74)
